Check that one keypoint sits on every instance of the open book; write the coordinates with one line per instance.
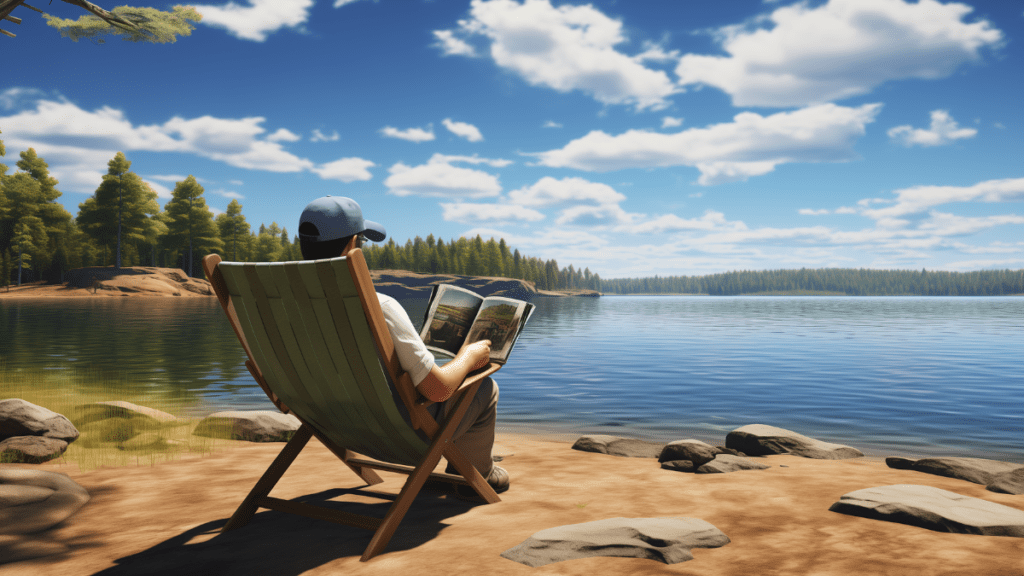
(456, 316)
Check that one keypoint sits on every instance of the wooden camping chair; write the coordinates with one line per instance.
(316, 340)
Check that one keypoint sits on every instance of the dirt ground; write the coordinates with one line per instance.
(164, 519)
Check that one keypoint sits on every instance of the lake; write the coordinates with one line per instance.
(910, 376)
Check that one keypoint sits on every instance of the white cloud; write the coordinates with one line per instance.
(467, 212)
(14, 97)
(811, 212)
(670, 122)
(438, 178)
(944, 224)
(596, 216)
(548, 191)
(75, 141)
(552, 124)
(566, 48)
(463, 130)
(672, 223)
(920, 198)
(345, 169)
(258, 18)
(284, 135)
(837, 50)
(411, 134)
(943, 131)
(750, 145)
(452, 46)
(319, 136)
(340, 3)
(474, 159)
(235, 182)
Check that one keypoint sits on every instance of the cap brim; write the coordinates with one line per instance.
(374, 231)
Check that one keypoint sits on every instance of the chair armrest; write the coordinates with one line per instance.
(471, 379)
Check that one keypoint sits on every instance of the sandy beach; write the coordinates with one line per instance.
(165, 519)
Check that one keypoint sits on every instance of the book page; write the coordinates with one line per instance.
(449, 318)
(499, 320)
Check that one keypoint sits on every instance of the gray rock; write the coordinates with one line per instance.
(253, 426)
(21, 418)
(87, 413)
(31, 449)
(678, 465)
(977, 470)
(899, 463)
(693, 450)
(934, 509)
(1008, 482)
(616, 446)
(761, 440)
(667, 540)
(724, 450)
(729, 463)
(33, 500)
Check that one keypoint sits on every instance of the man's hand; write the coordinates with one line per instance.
(478, 354)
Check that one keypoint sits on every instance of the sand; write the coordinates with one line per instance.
(164, 519)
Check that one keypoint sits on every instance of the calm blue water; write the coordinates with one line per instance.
(913, 376)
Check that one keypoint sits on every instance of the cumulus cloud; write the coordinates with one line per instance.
(548, 191)
(319, 136)
(469, 212)
(750, 145)
(839, 49)
(566, 48)
(596, 216)
(345, 169)
(410, 134)
(943, 131)
(918, 199)
(672, 223)
(463, 130)
(670, 122)
(256, 19)
(75, 141)
(284, 135)
(438, 178)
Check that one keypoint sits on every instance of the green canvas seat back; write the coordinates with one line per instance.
(309, 335)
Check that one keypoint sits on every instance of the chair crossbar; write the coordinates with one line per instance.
(321, 513)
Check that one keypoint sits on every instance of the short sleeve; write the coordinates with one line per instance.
(413, 355)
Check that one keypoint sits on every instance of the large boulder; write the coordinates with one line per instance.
(252, 426)
(1008, 482)
(729, 463)
(934, 509)
(762, 440)
(21, 418)
(667, 540)
(616, 446)
(977, 470)
(87, 413)
(34, 500)
(31, 449)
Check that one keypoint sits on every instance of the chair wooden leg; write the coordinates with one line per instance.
(248, 507)
(368, 475)
(415, 481)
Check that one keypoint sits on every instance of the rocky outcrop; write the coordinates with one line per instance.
(762, 440)
(251, 426)
(31, 434)
(139, 280)
(616, 446)
(996, 475)
(667, 540)
(934, 509)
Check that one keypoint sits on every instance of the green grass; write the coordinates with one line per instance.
(112, 442)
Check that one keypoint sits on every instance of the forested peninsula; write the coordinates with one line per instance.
(123, 225)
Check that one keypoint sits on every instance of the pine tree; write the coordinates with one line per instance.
(191, 228)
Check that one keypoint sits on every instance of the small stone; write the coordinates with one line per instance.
(900, 463)
(695, 451)
(678, 465)
(251, 426)
(762, 440)
(21, 418)
(977, 470)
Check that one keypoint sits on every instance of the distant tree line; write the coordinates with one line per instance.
(847, 281)
(40, 240)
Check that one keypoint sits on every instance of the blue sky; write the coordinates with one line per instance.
(634, 138)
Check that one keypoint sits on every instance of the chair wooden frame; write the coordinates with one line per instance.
(440, 433)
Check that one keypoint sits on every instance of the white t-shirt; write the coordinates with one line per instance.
(412, 353)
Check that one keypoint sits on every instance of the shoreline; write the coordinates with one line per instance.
(777, 519)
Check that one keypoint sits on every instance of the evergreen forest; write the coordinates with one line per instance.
(40, 240)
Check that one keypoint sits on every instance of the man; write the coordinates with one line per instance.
(331, 226)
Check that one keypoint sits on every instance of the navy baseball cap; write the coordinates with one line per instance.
(337, 217)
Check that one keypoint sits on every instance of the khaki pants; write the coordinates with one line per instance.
(475, 434)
